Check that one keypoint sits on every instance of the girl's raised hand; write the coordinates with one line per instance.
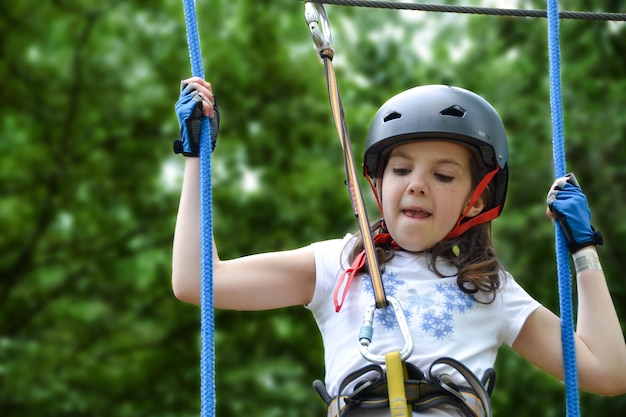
(567, 204)
(195, 102)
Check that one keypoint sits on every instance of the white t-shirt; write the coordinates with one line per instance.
(444, 321)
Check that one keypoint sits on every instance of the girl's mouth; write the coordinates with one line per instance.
(416, 213)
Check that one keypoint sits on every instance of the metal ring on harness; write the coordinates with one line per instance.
(367, 331)
(319, 25)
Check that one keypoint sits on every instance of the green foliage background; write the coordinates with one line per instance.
(89, 186)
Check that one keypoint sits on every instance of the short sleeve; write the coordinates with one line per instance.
(518, 306)
(329, 258)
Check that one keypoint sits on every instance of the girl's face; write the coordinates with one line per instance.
(426, 186)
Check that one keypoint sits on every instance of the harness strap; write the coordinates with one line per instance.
(356, 195)
(477, 386)
(314, 12)
(372, 390)
(396, 375)
(420, 397)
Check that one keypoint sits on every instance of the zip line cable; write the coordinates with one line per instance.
(473, 10)
(207, 323)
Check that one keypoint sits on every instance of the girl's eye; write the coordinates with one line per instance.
(444, 178)
(401, 171)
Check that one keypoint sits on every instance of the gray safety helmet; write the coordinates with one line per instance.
(440, 112)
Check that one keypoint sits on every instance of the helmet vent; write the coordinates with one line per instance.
(456, 111)
(392, 116)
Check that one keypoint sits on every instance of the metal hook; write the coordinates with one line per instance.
(319, 26)
(367, 330)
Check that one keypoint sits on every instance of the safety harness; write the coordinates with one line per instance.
(403, 388)
(373, 389)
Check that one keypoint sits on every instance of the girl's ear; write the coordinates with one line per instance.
(478, 206)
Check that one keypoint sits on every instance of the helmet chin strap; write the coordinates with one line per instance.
(462, 227)
(376, 196)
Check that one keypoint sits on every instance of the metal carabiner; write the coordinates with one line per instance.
(319, 26)
(367, 331)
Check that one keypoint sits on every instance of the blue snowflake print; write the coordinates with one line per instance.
(439, 325)
(446, 301)
(435, 309)
(455, 299)
(386, 317)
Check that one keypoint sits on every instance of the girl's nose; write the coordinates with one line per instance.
(417, 184)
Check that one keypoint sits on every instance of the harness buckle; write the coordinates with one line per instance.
(319, 26)
(367, 331)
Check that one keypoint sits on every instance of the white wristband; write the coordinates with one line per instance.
(586, 258)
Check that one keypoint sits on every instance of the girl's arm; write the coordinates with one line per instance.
(250, 283)
(600, 347)
(186, 248)
(255, 282)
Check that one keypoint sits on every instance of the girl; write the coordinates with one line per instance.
(437, 157)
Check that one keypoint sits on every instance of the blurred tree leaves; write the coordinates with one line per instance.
(89, 186)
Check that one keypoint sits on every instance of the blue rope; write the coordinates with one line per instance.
(207, 354)
(562, 255)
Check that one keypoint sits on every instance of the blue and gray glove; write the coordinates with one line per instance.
(189, 113)
(569, 205)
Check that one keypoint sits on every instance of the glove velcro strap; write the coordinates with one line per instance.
(178, 149)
